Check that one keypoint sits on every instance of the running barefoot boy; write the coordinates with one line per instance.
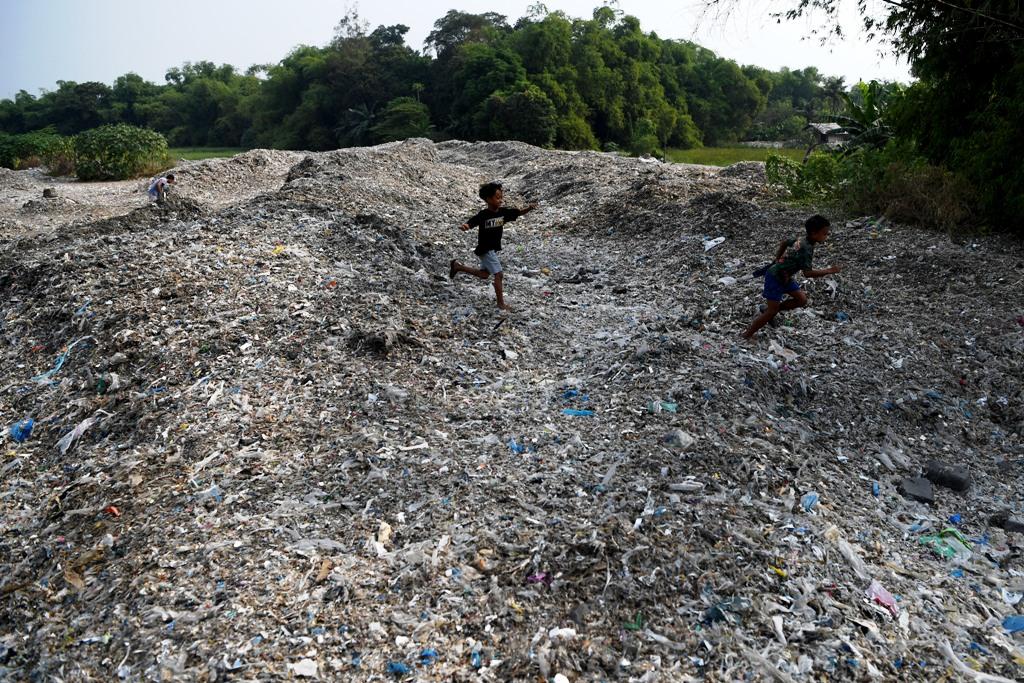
(793, 255)
(490, 222)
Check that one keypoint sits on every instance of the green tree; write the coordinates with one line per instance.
(524, 113)
(964, 111)
(401, 118)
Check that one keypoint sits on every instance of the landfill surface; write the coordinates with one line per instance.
(258, 434)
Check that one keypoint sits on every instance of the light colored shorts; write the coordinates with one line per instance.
(490, 262)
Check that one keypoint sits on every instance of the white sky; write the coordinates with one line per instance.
(42, 41)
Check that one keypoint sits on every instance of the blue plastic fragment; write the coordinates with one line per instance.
(515, 447)
(955, 519)
(957, 573)
(1014, 624)
(976, 647)
(577, 413)
(428, 656)
(475, 659)
(20, 431)
(399, 668)
(875, 490)
(809, 500)
(842, 316)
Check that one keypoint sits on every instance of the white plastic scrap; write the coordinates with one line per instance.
(711, 244)
(305, 668)
(68, 439)
(947, 650)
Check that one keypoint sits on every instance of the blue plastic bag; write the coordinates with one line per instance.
(20, 431)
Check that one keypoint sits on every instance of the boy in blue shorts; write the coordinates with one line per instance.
(793, 256)
(490, 222)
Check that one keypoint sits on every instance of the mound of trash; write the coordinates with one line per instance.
(258, 433)
(231, 180)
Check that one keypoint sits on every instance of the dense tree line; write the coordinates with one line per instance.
(548, 79)
(949, 144)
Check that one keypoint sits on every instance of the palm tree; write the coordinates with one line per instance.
(355, 128)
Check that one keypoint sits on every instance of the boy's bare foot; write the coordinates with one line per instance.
(451, 270)
(505, 307)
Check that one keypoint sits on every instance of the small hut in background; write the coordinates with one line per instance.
(828, 135)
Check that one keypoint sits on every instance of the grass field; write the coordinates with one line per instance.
(723, 156)
(195, 153)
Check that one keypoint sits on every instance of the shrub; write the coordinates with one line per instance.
(32, 149)
(783, 172)
(896, 183)
(58, 155)
(118, 152)
(8, 154)
(816, 179)
(645, 139)
(892, 181)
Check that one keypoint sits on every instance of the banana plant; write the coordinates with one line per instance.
(864, 118)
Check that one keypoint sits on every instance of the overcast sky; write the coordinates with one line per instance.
(43, 41)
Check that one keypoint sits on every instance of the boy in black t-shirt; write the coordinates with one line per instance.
(490, 222)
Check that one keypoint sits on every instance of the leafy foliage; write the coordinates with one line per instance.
(38, 147)
(520, 114)
(550, 79)
(892, 181)
(403, 117)
(814, 180)
(119, 151)
(864, 118)
(963, 114)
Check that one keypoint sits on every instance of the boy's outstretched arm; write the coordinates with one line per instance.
(464, 227)
(823, 272)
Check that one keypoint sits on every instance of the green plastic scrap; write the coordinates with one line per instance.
(947, 543)
(955, 533)
(938, 546)
(636, 624)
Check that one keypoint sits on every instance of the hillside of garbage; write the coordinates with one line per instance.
(258, 432)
